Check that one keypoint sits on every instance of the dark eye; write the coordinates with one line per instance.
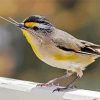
(35, 28)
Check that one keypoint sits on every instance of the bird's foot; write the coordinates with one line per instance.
(50, 83)
(53, 82)
(69, 87)
(45, 84)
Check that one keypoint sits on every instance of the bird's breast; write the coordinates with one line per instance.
(34, 42)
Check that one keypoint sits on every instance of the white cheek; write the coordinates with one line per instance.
(41, 25)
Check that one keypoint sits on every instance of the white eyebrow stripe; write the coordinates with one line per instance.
(41, 25)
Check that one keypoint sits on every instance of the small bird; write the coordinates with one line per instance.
(57, 48)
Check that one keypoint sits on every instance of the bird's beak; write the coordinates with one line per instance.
(20, 25)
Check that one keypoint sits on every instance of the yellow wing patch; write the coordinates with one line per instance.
(62, 57)
(25, 33)
(30, 24)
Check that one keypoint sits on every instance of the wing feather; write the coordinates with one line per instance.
(61, 38)
(67, 42)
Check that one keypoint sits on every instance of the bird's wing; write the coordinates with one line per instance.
(63, 39)
(67, 42)
(90, 47)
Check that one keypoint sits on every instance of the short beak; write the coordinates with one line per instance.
(20, 25)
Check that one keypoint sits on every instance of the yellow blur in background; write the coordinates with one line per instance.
(81, 18)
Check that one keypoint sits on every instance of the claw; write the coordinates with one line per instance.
(57, 89)
(69, 87)
(50, 83)
(43, 85)
(46, 84)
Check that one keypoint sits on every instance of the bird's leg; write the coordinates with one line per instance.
(53, 81)
(79, 75)
(71, 84)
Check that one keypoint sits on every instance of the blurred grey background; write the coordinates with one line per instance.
(81, 18)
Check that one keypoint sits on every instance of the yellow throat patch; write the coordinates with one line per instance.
(29, 39)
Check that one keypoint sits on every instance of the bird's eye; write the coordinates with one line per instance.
(29, 24)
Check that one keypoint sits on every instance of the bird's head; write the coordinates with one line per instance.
(35, 24)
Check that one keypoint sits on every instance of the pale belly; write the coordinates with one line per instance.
(65, 60)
